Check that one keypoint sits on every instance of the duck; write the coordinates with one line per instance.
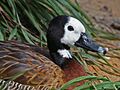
(46, 69)
(66, 31)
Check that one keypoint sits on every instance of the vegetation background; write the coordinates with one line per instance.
(27, 21)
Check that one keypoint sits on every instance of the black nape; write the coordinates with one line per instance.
(54, 34)
(66, 46)
(59, 60)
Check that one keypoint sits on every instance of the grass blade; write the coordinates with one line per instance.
(12, 34)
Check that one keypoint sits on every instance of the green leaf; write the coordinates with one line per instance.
(71, 82)
(1, 35)
(27, 37)
(13, 33)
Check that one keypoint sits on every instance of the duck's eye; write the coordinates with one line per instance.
(70, 28)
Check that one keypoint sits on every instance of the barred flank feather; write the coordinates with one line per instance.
(11, 85)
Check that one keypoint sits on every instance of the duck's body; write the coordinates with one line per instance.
(39, 71)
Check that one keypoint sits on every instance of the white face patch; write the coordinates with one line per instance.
(64, 53)
(71, 36)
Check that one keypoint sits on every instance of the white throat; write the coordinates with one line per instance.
(64, 53)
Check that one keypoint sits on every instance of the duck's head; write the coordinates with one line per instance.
(64, 31)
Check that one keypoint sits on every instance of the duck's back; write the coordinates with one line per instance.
(28, 66)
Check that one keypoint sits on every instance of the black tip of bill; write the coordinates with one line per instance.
(102, 50)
